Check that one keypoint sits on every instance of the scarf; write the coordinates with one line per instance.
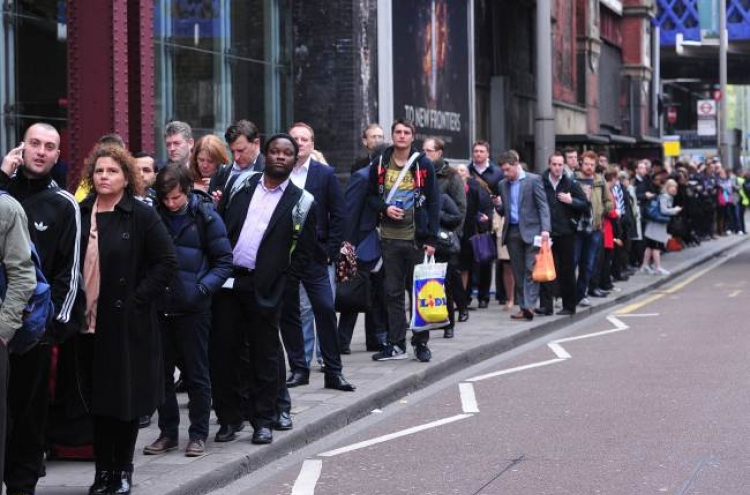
(91, 275)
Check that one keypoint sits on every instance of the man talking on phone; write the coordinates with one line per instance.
(54, 223)
(404, 190)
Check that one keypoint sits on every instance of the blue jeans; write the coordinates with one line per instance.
(587, 249)
(185, 339)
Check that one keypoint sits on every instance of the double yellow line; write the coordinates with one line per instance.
(671, 290)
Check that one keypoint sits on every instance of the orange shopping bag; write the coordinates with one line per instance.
(544, 266)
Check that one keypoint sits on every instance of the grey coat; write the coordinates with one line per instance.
(533, 210)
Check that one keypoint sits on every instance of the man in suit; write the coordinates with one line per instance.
(178, 139)
(566, 202)
(261, 230)
(521, 200)
(311, 295)
(361, 232)
(244, 143)
(372, 139)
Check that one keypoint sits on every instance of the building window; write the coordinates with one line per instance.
(218, 61)
(33, 39)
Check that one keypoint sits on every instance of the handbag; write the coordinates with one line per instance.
(544, 266)
(368, 249)
(483, 247)
(353, 296)
(653, 212)
(447, 243)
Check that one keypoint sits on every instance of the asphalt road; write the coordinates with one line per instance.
(658, 404)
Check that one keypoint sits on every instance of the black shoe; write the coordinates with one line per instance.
(337, 382)
(297, 378)
(422, 352)
(448, 333)
(463, 316)
(483, 304)
(227, 433)
(524, 314)
(566, 312)
(262, 436)
(597, 293)
(144, 421)
(102, 483)
(543, 312)
(345, 349)
(284, 422)
(121, 483)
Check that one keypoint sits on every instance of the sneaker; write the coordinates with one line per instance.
(422, 353)
(584, 302)
(162, 445)
(661, 271)
(646, 270)
(195, 448)
(390, 352)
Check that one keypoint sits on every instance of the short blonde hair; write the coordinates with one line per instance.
(668, 184)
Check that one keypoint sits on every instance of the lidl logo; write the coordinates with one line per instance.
(431, 296)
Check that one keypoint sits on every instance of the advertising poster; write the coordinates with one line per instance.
(431, 70)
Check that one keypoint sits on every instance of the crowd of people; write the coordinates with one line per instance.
(222, 263)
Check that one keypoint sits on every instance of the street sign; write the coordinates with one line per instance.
(671, 145)
(707, 127)
(706, 108)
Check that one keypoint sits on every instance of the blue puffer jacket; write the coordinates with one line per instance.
(204, 258)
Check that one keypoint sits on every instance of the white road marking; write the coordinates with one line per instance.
(308, 477)
(735, 293)
(637, 314)
(391, 436)
(468, 398)
(513, 370)
(559, 351)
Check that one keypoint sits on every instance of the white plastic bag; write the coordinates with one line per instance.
(429, 307)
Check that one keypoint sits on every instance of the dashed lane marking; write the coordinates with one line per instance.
(468, 398)
(308, 477)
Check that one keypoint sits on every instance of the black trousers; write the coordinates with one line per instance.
(399, 258)
(376, 320)
(114, 443)
(238, 325)
(454, 293)
(28, 403)
(185, 340)
(564, 286)
(318, 287)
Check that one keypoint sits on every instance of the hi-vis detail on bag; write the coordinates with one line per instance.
(429, 303)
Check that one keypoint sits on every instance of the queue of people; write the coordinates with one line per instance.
(221, 264)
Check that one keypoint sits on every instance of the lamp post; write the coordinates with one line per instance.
(726, 156)
(544, 125)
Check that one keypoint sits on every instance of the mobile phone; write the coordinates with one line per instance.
(20, 151)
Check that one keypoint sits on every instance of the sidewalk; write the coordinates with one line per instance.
(318, 412)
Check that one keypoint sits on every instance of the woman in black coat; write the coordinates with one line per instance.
(125, 271)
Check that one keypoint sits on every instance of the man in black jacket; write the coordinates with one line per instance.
(262, 232)
(566, 202)
(488, 175)
(372, 139)
(54, 222)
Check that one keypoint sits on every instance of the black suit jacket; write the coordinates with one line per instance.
(219, 180)
(273, 262)
(323, 184)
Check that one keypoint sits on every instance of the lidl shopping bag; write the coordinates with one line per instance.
(429, 304)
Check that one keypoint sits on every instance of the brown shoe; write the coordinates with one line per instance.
(195, 448)
(162, 445)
